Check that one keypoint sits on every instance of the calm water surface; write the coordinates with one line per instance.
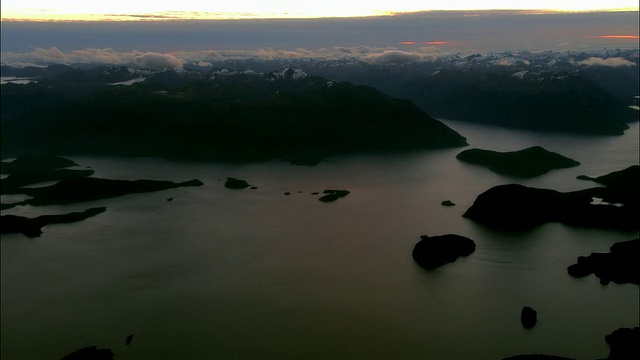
(220, 273)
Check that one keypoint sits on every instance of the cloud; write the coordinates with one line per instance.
(50, 55)
(147, 60)
(101, 56)
(155, 61)
(393, 57)
(270, 54)
(177, 59)
(611, 62)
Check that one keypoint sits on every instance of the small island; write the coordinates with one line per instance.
(528, 317)
(526, 163)
(434, 251)
(333, 195)
(233, 183)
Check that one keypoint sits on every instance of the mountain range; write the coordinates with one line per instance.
(571, 92)
(222, 116)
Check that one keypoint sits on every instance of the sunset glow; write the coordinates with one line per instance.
(43, 10)
(630, 37)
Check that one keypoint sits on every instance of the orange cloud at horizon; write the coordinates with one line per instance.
(631, 37)
(432, 43)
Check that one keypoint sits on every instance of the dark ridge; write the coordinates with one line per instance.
(234, 119)
(527, 163)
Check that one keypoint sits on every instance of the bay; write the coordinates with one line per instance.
(221, 273)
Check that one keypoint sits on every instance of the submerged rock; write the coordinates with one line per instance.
(333, 195)
(530, 162)
(447, 203)
(528, 317)
(620, 265)
(32, 227)
(434, 251)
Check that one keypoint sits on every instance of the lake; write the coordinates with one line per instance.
(221, 273)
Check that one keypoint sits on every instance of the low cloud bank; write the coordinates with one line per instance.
(176, 60)
(371, 55)
(395, 57)
(155, 61)
(148, 60)
(611, 62)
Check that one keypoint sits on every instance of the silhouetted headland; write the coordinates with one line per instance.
(74, 190)
(624, 343)
(32, 227)
(621, 265)
(517, 207)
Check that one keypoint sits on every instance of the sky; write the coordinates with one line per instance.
(190, 9)
(115, 32)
